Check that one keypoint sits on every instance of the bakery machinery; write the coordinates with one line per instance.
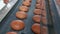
(5, 8)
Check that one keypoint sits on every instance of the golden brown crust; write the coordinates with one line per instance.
(43, 5)
(37, 11)
(17, 25)
(21, 15)
(44, 30)
(26, 3)
(44, 20)
(38, 6)
(36, 28)
(44, 14)
(23, 8)
(38, 1)
(36, 18)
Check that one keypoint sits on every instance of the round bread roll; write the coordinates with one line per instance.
(11, 33)
(37, 11)
(23, 8)
(44, 30)
(26, 3)
(21, 15)
(38, 1)
(43, 5)
(36, 18)
(44, 13)
(36, 28)
(44, 20)
(38, 6)
(17, 25)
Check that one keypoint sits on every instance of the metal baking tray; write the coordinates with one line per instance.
(5, 23)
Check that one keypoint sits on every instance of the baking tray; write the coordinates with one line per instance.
(5, 24)
(55, 27)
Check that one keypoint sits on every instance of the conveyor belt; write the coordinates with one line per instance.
(5, 24)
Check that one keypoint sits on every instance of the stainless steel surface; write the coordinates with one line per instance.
(7, 8)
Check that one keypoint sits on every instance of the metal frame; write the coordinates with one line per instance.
(6, 9)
